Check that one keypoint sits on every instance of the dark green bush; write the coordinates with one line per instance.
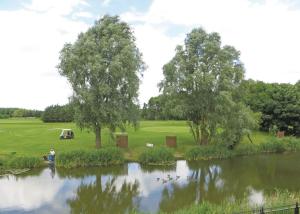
(208, 152)
(22, 162)
(274, 145)
(157, 156)
(101, 157)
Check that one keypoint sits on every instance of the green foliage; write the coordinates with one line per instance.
(162, 107)
(208, 152)
(58, 113)
(17, 112)
(205, 77)
(21, 162)
(157, 156)
(103, 67)
(274, 145)
(219, 151)
(278, 103)
(82, 158)
(246, 149)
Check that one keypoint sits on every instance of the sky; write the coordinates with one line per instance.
(266, 32)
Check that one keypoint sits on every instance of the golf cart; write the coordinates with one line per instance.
(66, 134)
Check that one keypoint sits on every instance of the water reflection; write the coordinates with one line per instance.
(131, 186)
(93, 198)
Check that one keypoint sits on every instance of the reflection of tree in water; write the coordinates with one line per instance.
(232, 179)
(94, 198)
(204, 184)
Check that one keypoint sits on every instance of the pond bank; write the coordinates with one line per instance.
(152, 156)
(152, 189)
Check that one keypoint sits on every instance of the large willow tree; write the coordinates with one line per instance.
(103, 67)
(205, 77)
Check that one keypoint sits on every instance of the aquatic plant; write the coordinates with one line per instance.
(21, 162)
(157, 156)
(81, 158)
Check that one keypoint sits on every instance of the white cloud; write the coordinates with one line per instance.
(83, 14)
(266, 33)
(106, 2)
(30, 43)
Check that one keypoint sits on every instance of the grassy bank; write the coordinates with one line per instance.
(277, 199)
(33, 138)
(272, 145)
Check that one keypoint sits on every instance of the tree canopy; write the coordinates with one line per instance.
(103, 66)
(278, 103)
(205, 77)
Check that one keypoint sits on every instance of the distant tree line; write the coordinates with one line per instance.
(18, 112)
(57, 113)
(279, 105)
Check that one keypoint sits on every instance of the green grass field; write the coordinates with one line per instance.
(32, 137)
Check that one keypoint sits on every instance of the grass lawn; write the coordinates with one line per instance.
(32, 137)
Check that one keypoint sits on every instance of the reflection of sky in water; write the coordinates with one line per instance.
(46, 193)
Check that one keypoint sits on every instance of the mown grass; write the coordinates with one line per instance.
(33, 138)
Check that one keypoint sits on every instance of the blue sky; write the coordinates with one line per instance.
(33, 32)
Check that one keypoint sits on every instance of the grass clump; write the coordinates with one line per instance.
(157, 156)
(273, 146)
(82, 158)
(208, 152)
(21, 163)
(246, 149)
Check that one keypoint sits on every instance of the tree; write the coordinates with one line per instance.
(279, 105)
(103, 67)
(205, 77)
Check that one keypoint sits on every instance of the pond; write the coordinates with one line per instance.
(150, 189)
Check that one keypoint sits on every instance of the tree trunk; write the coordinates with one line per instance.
(98, 136)
(204, 136)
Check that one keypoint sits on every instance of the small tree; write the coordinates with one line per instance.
(103, 67)
(205, 77)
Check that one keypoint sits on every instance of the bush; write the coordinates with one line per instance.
(101, 157)
(208, 152)
(157, 156)
(22, 162)
(275, 145)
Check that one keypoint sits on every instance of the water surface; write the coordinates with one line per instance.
(150, 189)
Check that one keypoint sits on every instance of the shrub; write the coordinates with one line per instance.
(208, 152)
(157, 156)
(22, 162)
(274, 145)
(101, 157)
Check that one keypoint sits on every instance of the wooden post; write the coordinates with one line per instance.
(122, 140)
(280, 134)
(171, 141)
